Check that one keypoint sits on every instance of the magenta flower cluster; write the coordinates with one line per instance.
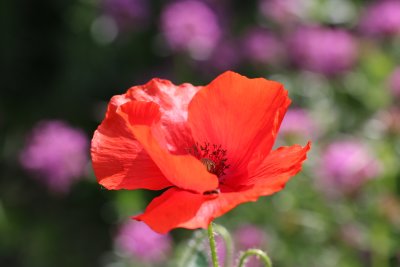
(56, 154)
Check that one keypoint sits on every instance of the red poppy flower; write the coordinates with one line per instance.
(209, 147)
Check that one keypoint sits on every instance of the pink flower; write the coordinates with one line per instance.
(137, 240)
(56, 154)
(346, 165)
(381, 18)
(190, 26)
(260, 46)
(298, 122)
(247, 237)
(323, 50)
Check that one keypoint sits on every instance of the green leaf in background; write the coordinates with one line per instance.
(199, 259)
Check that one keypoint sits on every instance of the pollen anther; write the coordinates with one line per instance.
(213, 157)
(210, 165)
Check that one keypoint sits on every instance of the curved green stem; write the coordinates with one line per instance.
(257, 252)
(228, 243)
(213, 247)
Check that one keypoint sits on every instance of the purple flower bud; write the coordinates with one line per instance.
(346, 165)
(247, 237)
(135, 239)
(381, 18)
(260, 46)
(224, 57)
(323, 50)
(190, 26)
(297, 122)
(128, 14)
(56, 153)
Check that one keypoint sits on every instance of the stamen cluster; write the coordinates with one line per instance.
(212, 156)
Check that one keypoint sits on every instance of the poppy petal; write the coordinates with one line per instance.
(173, 132)
(276, 169)
(240, 114)
(183, 171)
(119, 161)
(172, 209)
(177, 208)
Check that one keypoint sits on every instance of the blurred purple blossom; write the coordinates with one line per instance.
(298, 122)
(346, 165)
(225, 56)
(260, 46)
(56, 154)
(324, 50)
(128, 14)
(250, 236)
(381, 18)
(395, 81)
(135, 239)
(190, 26)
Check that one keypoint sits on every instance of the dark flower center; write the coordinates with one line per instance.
(213, 157)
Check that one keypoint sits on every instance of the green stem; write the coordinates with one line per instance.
(213, 247)
(261, 254)
(228, 243)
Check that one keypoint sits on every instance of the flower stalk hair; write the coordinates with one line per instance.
(209, 147)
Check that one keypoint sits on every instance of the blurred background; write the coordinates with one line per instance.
(63, 60)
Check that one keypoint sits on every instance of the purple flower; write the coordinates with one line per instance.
(250, 236)
(381, 18)
(259, 46)
(224, 57)
(135, 239)
(128, 14)
(323, 50)
(56, 153)
(346, 165)
(395, 82)
(190, 26)
(297, 122)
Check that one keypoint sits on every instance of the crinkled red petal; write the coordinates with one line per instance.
(118, 159)
(172, 131)
(180, 208)
(277, 168)
(183, 171)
